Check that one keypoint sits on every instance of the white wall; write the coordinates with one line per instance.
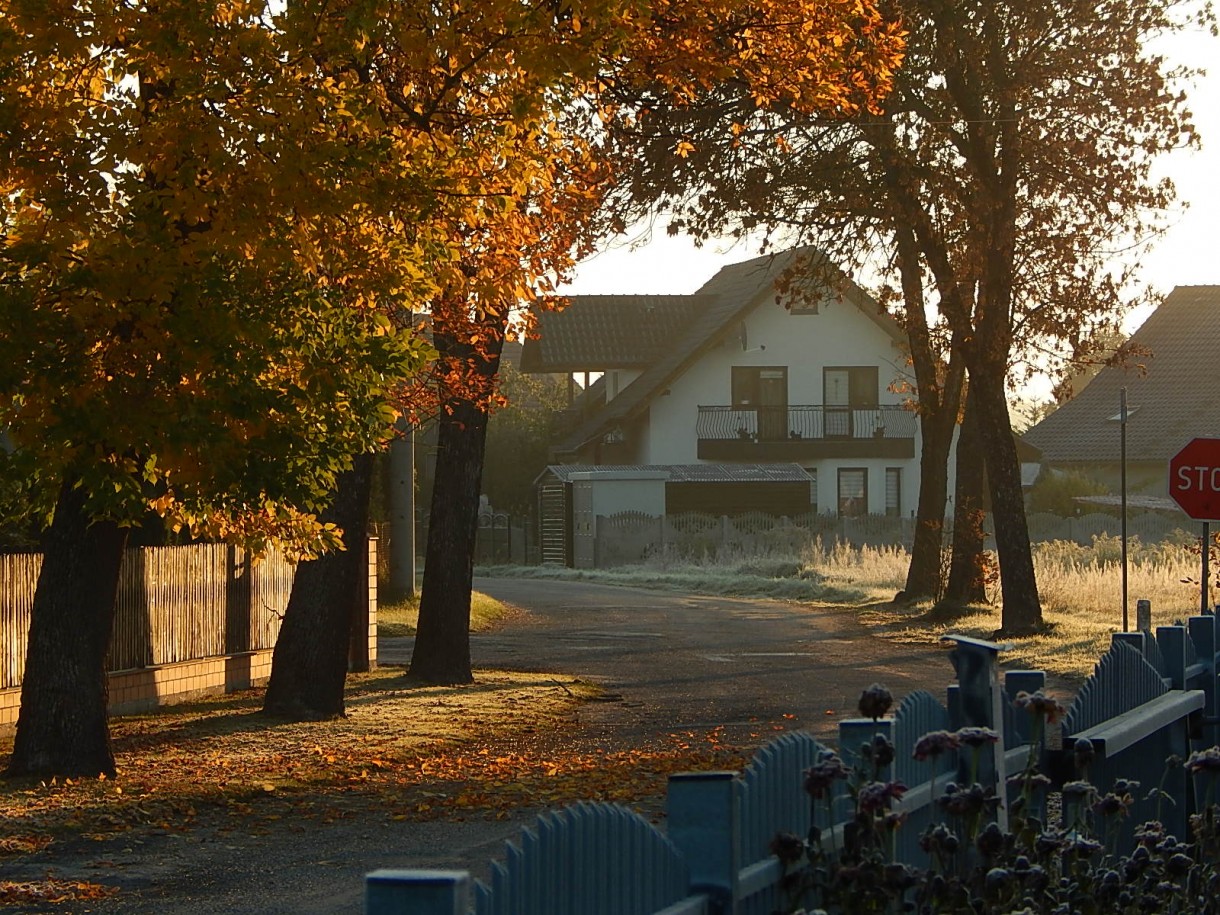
(840, 334)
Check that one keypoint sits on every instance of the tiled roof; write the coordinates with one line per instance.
(1172, 401)
(696, 473)
(598, 332)
(724, 298)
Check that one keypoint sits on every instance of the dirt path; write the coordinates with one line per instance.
(667, 665)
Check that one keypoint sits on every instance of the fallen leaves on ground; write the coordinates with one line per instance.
(504, 743)
(50, 890)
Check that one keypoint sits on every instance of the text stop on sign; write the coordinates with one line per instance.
(1194, 479)
(1198, 479)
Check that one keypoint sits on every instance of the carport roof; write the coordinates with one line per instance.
(695, 473)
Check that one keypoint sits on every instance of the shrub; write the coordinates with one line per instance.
(974, 867)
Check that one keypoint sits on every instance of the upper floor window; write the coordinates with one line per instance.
(846, 390)
(853, 386)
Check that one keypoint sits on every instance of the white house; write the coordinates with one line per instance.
(747, 378)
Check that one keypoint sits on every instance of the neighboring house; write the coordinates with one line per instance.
(1170, 399)
(736, 376)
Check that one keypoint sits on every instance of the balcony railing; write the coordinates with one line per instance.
(798, 423)
(796, 432)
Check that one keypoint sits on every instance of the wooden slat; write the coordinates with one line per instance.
(174, 604)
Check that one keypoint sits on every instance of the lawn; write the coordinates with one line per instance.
(399, 617)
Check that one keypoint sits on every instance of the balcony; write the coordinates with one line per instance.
(805, 433)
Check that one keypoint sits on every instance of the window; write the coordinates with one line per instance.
(853, 492)
(846, 392)
(764, 389)
(893, 492)
(813, 489)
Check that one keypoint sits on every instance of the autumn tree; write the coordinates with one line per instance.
(187, 280)
(1012, 156)
(538, 207)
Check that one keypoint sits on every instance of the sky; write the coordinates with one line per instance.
(1188, 253)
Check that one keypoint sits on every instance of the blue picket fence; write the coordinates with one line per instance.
(1151, 696)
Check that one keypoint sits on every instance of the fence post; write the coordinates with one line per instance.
(418, 892)
(1143, 615)
(1137, 640)
(1203, 635)
(702, 811)
(1172, 642)
(1021, 681)
(854, 733)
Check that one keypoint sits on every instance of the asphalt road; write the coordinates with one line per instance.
(682, 662)
(666, 662)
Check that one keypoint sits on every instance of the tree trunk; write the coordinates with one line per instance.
(1022, 610)
(442, 639)
(967, 582)
(62, 728)
(309, 667)
(939, 399)
(924, 573)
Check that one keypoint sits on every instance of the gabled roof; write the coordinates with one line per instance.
(1174, 401)
(598, 332)
(721, 302)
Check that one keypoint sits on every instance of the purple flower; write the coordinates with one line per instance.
(933, 744)
(876, 796)
(875, 702)
(976, 738)
(787, 847)
(1204, 761)
(820, 776)
(1040, 704)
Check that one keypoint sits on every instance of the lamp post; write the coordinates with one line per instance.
(1122, 471)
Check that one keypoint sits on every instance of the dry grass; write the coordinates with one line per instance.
(399, 618)
(1081, 591)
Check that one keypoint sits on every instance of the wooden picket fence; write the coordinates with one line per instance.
(175, 603)
(1146, 698)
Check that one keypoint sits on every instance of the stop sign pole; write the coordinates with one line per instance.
(1194, 483)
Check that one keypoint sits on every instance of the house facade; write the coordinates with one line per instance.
(1170, 400)
(763, 367)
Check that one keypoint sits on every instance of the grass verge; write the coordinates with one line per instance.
(399, 617)
(405, 751)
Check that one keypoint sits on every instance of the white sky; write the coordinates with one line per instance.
(1187, 254)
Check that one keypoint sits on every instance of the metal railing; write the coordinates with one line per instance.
(800, 422)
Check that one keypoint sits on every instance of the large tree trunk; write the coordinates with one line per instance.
(1022, 610)
(923, 574)
(967, 582)
(442, 639)
(62, 728)
(309, 667)
(939, 388)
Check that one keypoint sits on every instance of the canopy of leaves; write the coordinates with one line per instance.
(1046, 115)
(209, 210)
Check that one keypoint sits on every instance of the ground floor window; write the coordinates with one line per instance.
(813, 489)
(853, 492)
(893, 492)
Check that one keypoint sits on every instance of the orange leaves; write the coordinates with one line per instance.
(51, 891)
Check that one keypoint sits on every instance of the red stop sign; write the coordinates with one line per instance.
(1194, 479)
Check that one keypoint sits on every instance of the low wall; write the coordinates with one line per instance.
(142, 690)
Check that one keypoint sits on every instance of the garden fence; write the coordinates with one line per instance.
(631, 537)
(1150, 696)
(175, 603)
